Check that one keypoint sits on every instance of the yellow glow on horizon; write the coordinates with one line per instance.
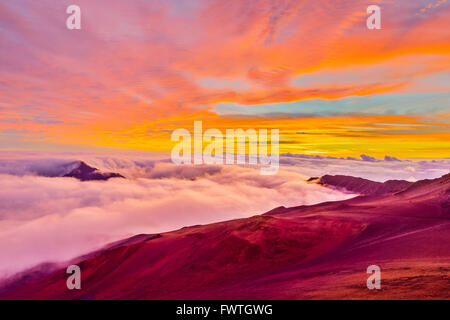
(339, 136)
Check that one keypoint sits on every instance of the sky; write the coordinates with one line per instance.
(139, 69)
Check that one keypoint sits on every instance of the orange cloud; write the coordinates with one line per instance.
(134, 65)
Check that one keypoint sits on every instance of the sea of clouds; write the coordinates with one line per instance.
(48, 218)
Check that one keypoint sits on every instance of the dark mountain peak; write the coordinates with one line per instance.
(84, 172)
(84, 168)
(362, 186)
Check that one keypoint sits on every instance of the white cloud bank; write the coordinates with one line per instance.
(55, 219)
(44, 218)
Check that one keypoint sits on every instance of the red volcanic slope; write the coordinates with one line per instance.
(306, 252)
(360, 185)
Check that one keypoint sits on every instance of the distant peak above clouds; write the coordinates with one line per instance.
(84, 172)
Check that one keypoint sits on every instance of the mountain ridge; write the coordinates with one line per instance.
(360, 185)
